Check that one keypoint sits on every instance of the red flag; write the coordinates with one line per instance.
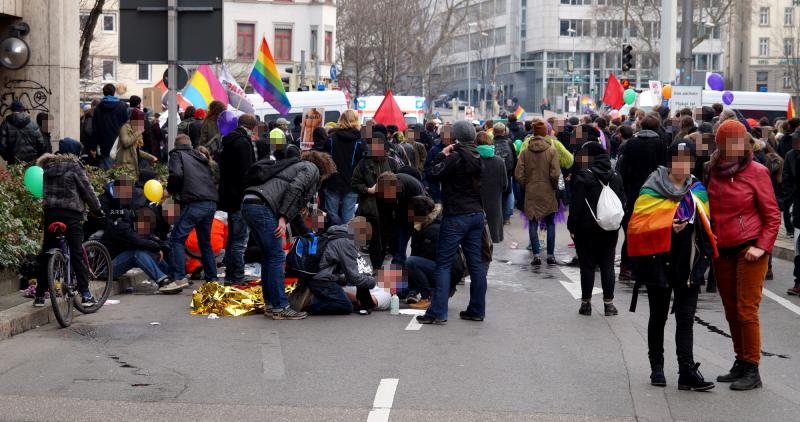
(182, 102)
(613, 94)
(389, 113)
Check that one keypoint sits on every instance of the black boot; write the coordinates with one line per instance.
(586, 309)
(750, 378)
(657, 377)
(735, 373)
(691, 379)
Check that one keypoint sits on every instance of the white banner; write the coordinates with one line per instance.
(686, 96)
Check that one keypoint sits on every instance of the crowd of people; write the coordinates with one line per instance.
(697, 193)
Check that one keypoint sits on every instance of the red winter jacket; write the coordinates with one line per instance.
(743, 208)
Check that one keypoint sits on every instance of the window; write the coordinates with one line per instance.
(109, 23)
(763, 16)
(314, 43)
(143, 73)
(788, 47)
(763, 47)
(610, 29)
(245, 39)
(328, 46)
(701, 62)
(109, 70)
(582, 27)
(576, 2)
(762, 76)
(283, 44)
(787, 81)
(788, 16)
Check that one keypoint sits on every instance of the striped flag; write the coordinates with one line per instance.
(265, 79)
(790, 112)
(520, 113)
(236, 95)
(205, 88)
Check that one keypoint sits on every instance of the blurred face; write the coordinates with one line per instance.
(376, 148)
(362, 231)
(681, 166)
(585, 160)
(734, 148)
(47, 124)
(391, 278)
(447, 135)
(137, 124)
(170, 212)
(124, 191)
(143, 225)
(387, 190)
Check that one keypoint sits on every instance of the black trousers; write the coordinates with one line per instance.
(685, 305)
(74, 238)
(596, 248)
(625, 261)
(377, 243)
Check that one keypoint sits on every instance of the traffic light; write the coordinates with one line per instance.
(627, 57)
(626, 83)
(291, 80)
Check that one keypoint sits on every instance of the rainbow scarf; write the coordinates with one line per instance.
(650, 228)
(265, 80)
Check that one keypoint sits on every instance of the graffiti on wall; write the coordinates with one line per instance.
(33, 96)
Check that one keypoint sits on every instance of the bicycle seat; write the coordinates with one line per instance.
(57, 226)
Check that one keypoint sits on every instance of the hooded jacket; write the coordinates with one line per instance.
(516, 130)
(66, 185)
(641, 156)
(346, 149)
(586, 187)
(340, 260)
(190, 178)
(290, 190)
(538, 172)
(21, 141)
(108, 118)
(236, 157)
(460, 176)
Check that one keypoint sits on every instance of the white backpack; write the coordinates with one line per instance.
(609, 209)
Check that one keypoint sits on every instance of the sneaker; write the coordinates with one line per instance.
(422, 304)
(38, 302)
(794, 291)
(171, 288)
(183, 283)
(413, 298)
(469, 317)
(288, 313)
(300, 298)
(551, 260)
(610, 309)
(537, 260)
(427, 320)
(769, 275)
(586, 309)
(88, 300)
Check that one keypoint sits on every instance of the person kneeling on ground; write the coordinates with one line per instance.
(138, 247)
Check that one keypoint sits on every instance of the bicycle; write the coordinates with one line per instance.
(62, 283)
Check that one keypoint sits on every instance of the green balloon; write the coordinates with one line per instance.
(629, 96)
(34, 180)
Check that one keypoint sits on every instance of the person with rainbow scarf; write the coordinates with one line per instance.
(671, 244)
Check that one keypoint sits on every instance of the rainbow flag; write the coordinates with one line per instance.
(520, 113)
(265, 79)
(650, 228)
(790, 113)
(204, 88)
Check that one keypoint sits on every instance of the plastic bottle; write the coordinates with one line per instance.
(395, 308)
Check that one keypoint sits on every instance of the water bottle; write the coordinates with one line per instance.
(395, 309)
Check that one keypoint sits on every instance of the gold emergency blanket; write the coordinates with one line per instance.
(214, 298)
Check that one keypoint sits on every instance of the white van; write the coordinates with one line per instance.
(750, 104)
(413, 108)
(333, 102)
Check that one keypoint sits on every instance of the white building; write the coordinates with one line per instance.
(290, 27)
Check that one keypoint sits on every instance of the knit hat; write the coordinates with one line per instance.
(200, 114)
(539, 128)
(663, 111)
(464, 132)
(593, 149)
(69, 146)
(730, 129)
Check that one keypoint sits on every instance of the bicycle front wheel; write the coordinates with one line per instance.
(58, 286)
(101, 279)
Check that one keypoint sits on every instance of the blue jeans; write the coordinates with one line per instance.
(137, 258)
(420, 275)
(533, 231)
(341, 207)
(199, 216)
(262, 223)
(236, 245)
(466, 230)
(508, 202)
(402, 235)
(329, 299)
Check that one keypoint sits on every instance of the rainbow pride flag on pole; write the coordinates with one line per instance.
(790, 113)
(265, 79)
(520, 113)
(205, 88)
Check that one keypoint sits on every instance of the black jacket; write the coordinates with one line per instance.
(425, 241)
(290, 190)
(460, 176)
(346, 149)
(21, 141)
(587, 187)
(516, 130)
(340, 260)
(504, 148)
(190, 179)
(236, 157)
(120, 236)
(108, 117)
(641, 156)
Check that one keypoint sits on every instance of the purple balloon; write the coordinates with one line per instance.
(727, 98)
(716, 82)
(227, 122)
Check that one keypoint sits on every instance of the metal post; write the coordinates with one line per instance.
(316, 75)
(172, 72)
(302, 70)
(573, 59)
(686, 43)
(669, 29)
(469, 65)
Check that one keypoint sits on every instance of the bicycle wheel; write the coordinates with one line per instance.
(60, 295)
(101, 279)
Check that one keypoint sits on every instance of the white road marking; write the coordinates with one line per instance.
(384, 398)
(574, 285)
(413, 325)
(782, 301)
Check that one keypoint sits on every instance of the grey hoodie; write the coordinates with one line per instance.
(340, 260)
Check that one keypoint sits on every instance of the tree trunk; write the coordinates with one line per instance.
(87, 36)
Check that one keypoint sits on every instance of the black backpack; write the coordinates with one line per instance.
(306, 253)
(265, 169)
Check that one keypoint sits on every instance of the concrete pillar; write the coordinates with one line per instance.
(669, 36)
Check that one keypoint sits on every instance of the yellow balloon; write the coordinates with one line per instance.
(666, 92)
(153, 190)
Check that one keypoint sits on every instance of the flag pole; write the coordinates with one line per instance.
(247, 82)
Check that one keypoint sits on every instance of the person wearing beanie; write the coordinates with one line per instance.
(746, 220)
(494, 181)
(69, 146)
(130, 141)
(21, 141)
(595, 246)
(672, 252)
(537, 173)
(540, 128)
(458, 169)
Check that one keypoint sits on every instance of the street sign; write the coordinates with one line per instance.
(333, 72)
(183, 78)
(763, 88)
(686, 96)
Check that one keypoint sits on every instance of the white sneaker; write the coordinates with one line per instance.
(182, 283)
(171, 288)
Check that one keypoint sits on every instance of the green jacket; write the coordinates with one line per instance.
(365, 175)
(565, 158)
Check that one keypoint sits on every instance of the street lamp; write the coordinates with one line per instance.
(469, 62)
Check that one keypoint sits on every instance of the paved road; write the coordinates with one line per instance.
(533, 359)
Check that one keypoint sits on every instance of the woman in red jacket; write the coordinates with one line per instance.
(746, 219)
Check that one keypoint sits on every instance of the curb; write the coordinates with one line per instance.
(25, 317)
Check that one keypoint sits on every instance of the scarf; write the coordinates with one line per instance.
(723, 168)
(650, 227)
(486, 151)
